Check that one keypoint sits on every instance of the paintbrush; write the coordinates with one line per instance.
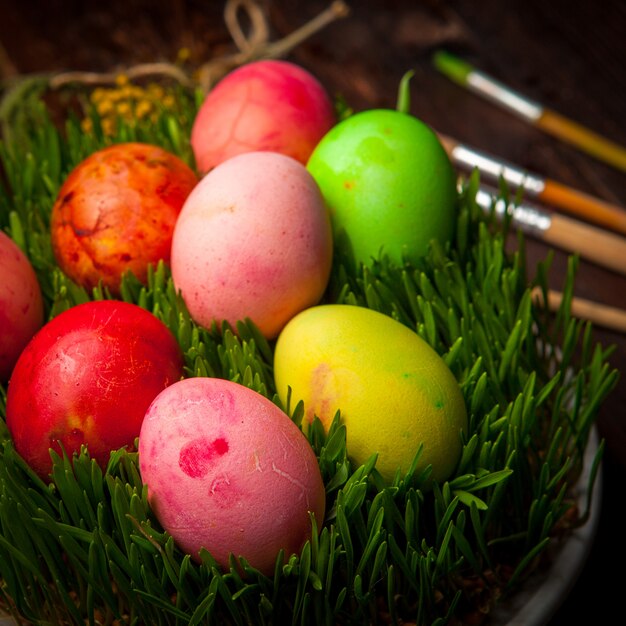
(581, 308)
(591, 243)
(544, 189)
(533, 112)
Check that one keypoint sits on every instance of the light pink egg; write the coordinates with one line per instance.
(253, 240)
(227, 470)
(263, 105)
(21, 304)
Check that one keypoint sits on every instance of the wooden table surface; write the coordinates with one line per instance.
(567, 55)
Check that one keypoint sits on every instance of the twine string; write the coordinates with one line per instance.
(259, 29)
(254, 45)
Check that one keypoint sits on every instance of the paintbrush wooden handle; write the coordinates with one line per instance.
(593, 244)
(583, 138)
(584, 206)
(600, 314)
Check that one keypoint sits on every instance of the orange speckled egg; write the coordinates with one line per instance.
(116, 212)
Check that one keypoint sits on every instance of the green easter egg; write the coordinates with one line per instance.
(388, 184)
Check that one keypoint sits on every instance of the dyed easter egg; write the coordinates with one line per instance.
(115, 213)
(389, 186)
(263, 105)
(394, 391)
(21, 304)
(253, 240)
(87, 378)
(228, 471)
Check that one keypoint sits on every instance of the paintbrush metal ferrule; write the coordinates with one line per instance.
(467, 75)
(496, 169)
(544, 190)
(529, 219)
(510, 99)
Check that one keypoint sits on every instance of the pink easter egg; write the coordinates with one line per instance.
(253, 240)
(263, 105)
(230, 472)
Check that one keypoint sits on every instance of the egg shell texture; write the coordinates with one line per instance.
(88, 377)
(388, 184)
(227, 470)
(21, 304)
(264, 105)
(116, 211)
(393, 390)
(252, 240)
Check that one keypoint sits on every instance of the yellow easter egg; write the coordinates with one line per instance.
(393, 390)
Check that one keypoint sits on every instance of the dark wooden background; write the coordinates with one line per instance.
(568, 55)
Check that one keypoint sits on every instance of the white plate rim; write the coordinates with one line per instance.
(537, 602)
